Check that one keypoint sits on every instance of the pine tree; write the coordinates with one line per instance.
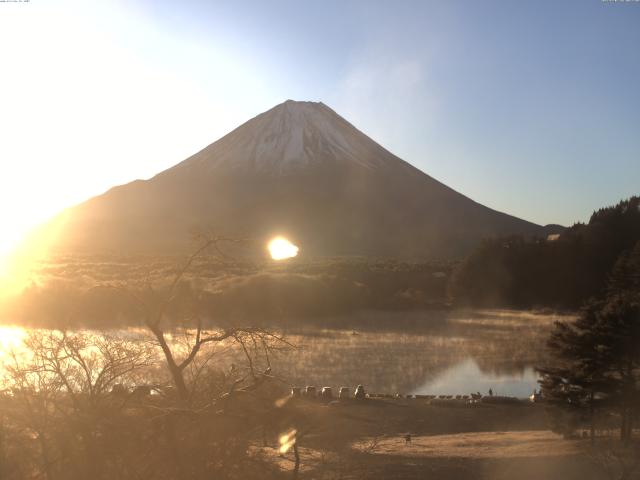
(594, 362)
(625, 275)
(618, 333)
(575, 378)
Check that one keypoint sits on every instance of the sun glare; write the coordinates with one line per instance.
(21, 252)
(287, 440)
(11, 337)
(10, 255)
(281, 248)
(10, 271)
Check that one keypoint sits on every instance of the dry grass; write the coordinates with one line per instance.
(367, 440)
(474, 445)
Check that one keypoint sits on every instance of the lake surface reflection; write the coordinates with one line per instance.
(424, 353)
(469, 352)
(466, 377)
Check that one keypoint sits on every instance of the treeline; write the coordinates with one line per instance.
(560, 272)
(92, 293)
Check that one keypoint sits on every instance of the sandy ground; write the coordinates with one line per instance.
(472, 445)
(358, 441)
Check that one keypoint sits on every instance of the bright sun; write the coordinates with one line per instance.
(10, 337)
(8, 260)
(281, 248)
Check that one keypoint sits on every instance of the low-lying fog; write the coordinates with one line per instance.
(423, 353)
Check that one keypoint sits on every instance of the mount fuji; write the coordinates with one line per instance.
(298, 170)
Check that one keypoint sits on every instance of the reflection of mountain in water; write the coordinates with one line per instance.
(389, 362)
(454, 360)
(443, 357)
(466, 377)
(509, 368)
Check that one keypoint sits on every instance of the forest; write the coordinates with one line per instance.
(560, 272)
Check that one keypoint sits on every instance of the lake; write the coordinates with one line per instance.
(468, 352)
(415, 353)
(466, 376)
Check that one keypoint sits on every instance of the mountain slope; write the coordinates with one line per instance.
(299, 170)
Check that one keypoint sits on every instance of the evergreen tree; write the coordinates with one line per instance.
(529, 272)
(575, 378)
(625, 276)
(595, 361)
(617, 330)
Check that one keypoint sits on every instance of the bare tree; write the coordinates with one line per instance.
(68, 392)
(61, 395)
(154, 307)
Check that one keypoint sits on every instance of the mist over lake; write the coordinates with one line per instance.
(458, 352)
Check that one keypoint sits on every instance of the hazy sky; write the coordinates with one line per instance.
(532, 108)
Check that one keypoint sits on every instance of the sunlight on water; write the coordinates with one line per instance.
(473, 351)
(11, 344)
(11, 338)
(281, 248)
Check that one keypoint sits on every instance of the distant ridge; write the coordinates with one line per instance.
(299, 170)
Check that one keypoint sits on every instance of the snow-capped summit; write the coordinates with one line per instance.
(298, 170)
(291, 136)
